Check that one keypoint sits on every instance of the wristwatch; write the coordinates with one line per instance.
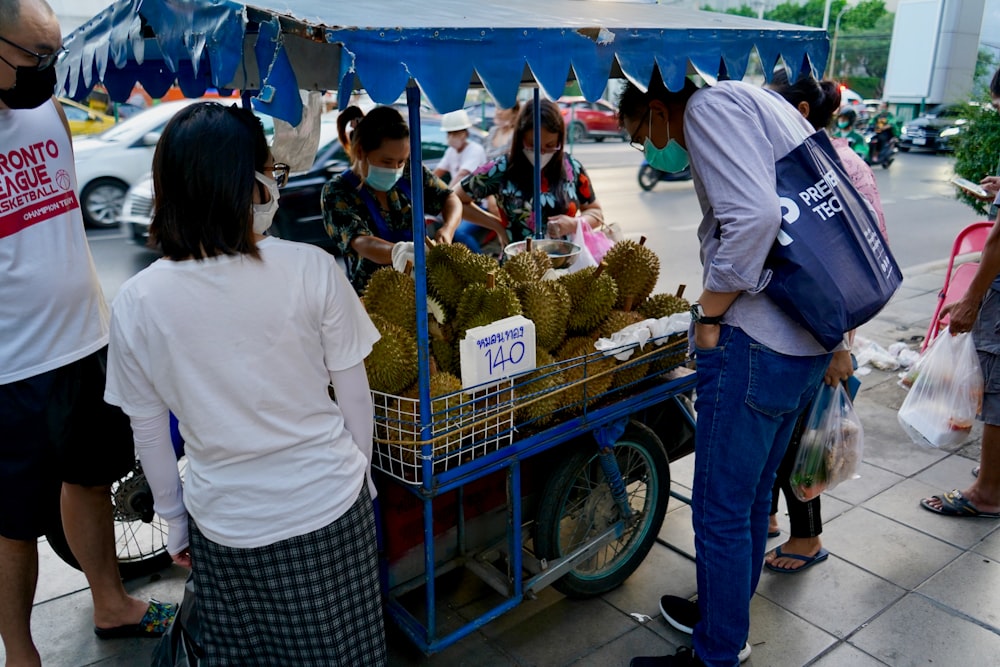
(698, 315)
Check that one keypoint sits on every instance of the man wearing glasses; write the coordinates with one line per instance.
(59, 442)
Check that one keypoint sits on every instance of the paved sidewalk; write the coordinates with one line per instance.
(902, 586)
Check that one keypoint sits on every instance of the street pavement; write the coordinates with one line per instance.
(902, 586)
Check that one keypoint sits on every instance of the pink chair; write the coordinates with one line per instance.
(957, 279)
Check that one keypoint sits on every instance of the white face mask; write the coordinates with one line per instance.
(263, 214)
(530, 154)
(456, 142)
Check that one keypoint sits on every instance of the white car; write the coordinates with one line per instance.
(108, 164)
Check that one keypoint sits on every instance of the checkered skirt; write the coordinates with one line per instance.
(313, 599)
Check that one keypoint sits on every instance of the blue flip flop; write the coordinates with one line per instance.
(808, 561)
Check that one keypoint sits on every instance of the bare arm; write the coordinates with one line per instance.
(963, 313)
(478, 216)
(373, 248)
(452, 216)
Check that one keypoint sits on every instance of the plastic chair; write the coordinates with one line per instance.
(957, 279)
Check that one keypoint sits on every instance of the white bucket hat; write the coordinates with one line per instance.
(455, 121)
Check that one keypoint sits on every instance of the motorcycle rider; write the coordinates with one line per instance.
(882, 142)
(846, 121)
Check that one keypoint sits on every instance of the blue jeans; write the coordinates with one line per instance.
(467, 233)
(748, 400)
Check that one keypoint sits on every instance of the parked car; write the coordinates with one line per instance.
(590, 120)
(935, 130)
(84, 120)
(299, 216)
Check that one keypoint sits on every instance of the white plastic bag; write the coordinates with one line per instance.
(947, 394)
(584, 259)
(831, 446)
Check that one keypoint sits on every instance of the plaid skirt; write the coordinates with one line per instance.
(312, 599)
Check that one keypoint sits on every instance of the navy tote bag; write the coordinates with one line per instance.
(831, 269)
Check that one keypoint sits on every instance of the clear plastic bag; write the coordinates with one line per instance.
(946, 395)
(831, 445)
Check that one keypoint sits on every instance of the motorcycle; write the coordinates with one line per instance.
(649, 176)
(884, 148)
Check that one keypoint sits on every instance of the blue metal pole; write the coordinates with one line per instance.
(536, 200)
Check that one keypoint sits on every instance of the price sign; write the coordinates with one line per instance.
(498, 350)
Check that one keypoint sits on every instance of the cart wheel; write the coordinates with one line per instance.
(577, 504)
(140, 534)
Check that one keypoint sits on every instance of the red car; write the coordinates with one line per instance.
(590, 120)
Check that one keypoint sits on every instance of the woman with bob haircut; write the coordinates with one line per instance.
(567, 194)
(240, 336)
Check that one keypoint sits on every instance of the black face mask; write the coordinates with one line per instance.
(31, 89)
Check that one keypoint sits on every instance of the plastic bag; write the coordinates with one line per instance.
(831, 445)
(597, 242)
(946, 395)
(585, 258)
(180, 645)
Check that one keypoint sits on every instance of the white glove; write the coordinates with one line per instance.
(402, 252)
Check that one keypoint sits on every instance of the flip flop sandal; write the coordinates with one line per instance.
(954, 503)
(774, 533)
(808, 561)
(975, 471)
(156, 620)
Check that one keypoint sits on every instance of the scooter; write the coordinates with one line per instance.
(886, 149)
(650, 176)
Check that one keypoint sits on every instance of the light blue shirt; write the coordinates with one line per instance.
(735, 133)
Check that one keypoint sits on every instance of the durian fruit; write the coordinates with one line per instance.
(482, 304)
(537, 387)
(392, 295)
(445, 416)
(444, 280)
(635, 269)
(592, 294)
(444, 348)
(392, 364)
(630, 371)
(663, 305)
(616, 321)
(547, 304)
(577, 370)
(527, 267)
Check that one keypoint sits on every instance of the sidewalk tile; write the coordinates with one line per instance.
(663, 571)
(968, 585)
(952, 472)
(640, 641)
(834, 595)
(779, 637)
(60, 579)
(889, 446)
(873, 481)
(677, 529)
(901, 503)
(845, 655)
(990, 547)
(898, 553)
(916, 632)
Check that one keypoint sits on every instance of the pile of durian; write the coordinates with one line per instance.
(467, 290)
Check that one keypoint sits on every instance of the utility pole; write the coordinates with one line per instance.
(826, 15)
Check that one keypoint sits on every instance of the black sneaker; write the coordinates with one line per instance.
(684, 657)
(683, 615)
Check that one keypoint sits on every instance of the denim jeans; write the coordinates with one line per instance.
(467, 234)
(748, 400)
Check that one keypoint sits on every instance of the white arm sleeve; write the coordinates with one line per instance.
(350, 386)
(159, 462)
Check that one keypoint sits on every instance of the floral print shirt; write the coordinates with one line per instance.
(346, 217)
(516, 206)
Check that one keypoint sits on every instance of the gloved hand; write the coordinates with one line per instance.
(402, 252)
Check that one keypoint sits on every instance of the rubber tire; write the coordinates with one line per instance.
(135, 562)
(648, 177)
(638, 445)
(577, 132)
(904, 149)
(104, 217)
(598, 139)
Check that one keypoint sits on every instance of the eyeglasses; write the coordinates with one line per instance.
(632, 142)
(45, 61)
(279, 172)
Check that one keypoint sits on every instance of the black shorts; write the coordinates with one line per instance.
(55, 428)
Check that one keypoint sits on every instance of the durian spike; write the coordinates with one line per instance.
(642, 240)
(628, 304)
(527, 244)
(680, 290)
(491, 280)
(599, 270)
(430, 242)
(409, 268)
(433, 366)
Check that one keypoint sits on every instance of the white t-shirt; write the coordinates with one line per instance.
(468, 160)
(240, 350)
(52, 311)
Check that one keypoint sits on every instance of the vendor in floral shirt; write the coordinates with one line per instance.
(567, 194)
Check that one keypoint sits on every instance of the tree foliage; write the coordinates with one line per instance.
(977, 150)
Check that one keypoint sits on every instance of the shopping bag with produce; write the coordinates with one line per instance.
(831, 445)
(947, 393)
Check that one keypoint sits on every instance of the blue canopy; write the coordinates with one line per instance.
(278, 47)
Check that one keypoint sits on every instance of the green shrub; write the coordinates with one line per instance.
(977, 151)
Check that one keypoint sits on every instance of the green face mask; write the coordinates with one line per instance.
(842, 124)
(671, 158)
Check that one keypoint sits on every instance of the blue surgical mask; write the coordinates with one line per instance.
(383, 178)
(671, 158)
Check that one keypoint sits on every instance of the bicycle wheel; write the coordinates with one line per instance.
(577, 505)
(140, 534)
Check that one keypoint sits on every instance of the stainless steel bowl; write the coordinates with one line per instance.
(562, 253)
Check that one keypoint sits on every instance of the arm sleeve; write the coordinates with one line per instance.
(341, 219)
(738, 163)
(347, 332)
(354, 398)
(470, 159)
(486, 180)
(436, 192)
(159, 463)
(584, 188)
